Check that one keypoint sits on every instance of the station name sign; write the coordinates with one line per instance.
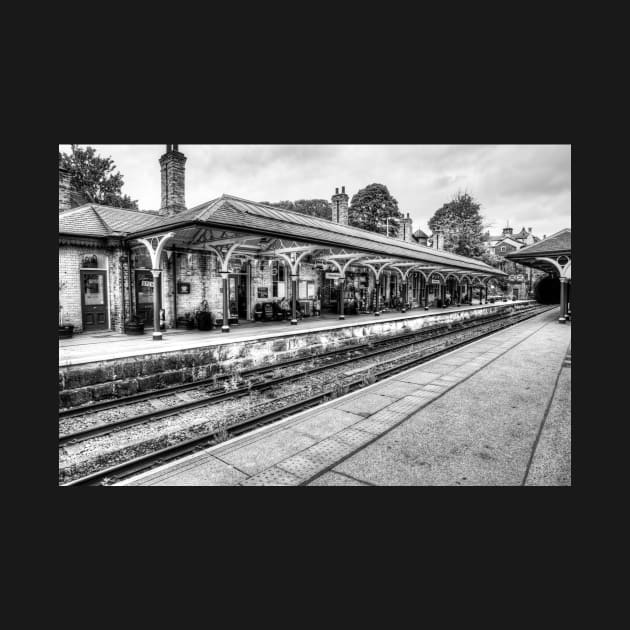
(435, 281)
(333, 275)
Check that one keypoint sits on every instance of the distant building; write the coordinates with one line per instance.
(420, 237)
(520, 279)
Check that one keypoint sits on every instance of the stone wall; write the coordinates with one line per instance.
(91, 382)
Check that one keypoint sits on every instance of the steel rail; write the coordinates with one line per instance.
(173, 389)
(104, 429)
(144, 462)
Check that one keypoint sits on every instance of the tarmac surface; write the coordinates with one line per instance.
(495, 412)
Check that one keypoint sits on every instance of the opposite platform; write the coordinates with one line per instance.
(108, 345)
(495, 412)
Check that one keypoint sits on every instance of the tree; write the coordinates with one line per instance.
(91, 175)
(371, 207)
(461, 224)
(312, 207)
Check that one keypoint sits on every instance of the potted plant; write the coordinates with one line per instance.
(204, 317)
(134, 326)
(65, 330)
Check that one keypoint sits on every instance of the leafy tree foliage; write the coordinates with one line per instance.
(313, 207)
(370, 208)
(461, 224)
(91, 175)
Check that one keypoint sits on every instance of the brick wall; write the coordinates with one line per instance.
(342, 198)
(70, 262)
(172, 170)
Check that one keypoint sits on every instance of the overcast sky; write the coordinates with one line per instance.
(527, 185)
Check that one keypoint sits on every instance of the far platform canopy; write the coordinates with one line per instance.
(552, 254)
(260, 229)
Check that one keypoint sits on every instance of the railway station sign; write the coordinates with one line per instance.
(333, 275)
(435, 281)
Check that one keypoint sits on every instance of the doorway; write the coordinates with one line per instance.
(94, 300)
(144, 297)
(237, 295)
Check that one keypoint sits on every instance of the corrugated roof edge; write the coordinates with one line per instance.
(369, 235)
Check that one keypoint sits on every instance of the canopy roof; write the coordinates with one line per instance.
(553, 247)
(229, 217)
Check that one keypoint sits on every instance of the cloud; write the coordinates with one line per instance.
(529, 185)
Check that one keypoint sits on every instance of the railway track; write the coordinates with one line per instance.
(410, 359)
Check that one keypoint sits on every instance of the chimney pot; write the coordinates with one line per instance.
(343, 190)
(529, 230)
(336, 191)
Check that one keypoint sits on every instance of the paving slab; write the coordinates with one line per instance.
(335, 479)
(197, 471)
(420, 377)
(267, 451)
(479, 433)
(365, 404)
(436, 424)
(324, 423)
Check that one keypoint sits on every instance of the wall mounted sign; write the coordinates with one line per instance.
(147, 283)
(183, 287)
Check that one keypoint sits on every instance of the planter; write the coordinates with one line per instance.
(204, 321)
(134, 328)
(65, 332)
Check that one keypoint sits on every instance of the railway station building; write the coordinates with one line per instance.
(238, 259)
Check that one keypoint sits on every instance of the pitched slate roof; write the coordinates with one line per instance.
(240, 214)
(104, 221)
(558, 243)
(236, 213)
(419, 234)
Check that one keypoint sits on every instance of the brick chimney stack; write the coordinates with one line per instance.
(438, 241)
(340, 206)
(172, 166)
(64, 188)
(405, 231)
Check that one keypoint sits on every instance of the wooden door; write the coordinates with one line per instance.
(94, 300)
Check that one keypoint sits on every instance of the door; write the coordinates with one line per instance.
(94, 300)
(144, 297)
(237, 286)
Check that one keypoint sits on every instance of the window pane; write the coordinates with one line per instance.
(93, 292)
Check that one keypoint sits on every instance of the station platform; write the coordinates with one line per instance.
(109, 345)
(495, 412)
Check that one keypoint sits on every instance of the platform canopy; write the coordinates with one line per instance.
(230, 224)
(551, 255)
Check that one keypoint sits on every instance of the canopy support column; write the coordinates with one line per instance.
(342, 286)
(157, 304)
(563, 299)
(226, 303)
(294, 282)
